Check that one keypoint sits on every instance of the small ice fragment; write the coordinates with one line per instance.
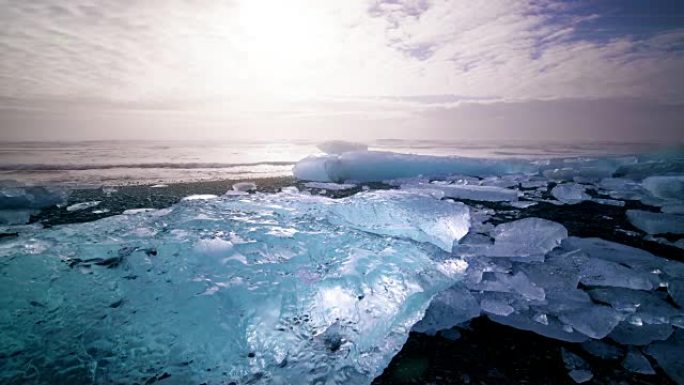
(578, 369)
(290, 190)
(82, 206)
(580, 376)
(637, 363)
(496, 307)
(138, 211)
(609, 202)
(570, 193)
(541, 318)
(595, 321)
(200, 197)
(522, 204)
(159, 186)
(245, 186)
(656, 223)
(330, 186)
(602, 349)
(469, 192)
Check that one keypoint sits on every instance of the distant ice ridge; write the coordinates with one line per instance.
(276, 289)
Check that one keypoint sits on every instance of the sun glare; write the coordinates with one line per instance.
(285, 42)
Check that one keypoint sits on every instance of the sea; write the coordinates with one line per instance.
(102, 163)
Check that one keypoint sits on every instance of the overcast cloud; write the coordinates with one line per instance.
(87, 69)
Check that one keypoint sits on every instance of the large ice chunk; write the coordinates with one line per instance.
(377, 166)
(253, 289)
(656, 223)
(405, 214)
(666, 187)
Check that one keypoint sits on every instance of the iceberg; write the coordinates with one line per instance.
(378, 166)
(281, 288)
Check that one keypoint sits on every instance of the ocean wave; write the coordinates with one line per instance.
(160, 165)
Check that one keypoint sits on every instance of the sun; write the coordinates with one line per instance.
(284, 41)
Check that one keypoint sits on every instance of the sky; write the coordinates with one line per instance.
(576, 70)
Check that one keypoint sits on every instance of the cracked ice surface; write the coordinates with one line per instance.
(283, 288)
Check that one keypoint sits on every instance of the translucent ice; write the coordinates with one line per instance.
(665, 186)
(570, 193)
(404, 214)
(259, 288)
(31, 197)
(244, 186)
(376, 166)
(470, 192)
(524, 239)
(668, 355)
(656, 223)
(449, 308)
(330, 186)
(637, 363)
(578, 369)
(82, 206)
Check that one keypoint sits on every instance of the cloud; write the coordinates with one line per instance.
(246, 60)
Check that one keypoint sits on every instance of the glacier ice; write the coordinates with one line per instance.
(263, 288)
